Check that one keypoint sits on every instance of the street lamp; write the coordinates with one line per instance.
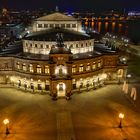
(128, 76)
(6, 122)
(121, 116)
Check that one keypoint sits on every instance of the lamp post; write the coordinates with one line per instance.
(121, 116)
(6, 122)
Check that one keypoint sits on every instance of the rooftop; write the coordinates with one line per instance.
(50, 35)
(57, 16)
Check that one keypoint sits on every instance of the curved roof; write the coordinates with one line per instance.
(56, 17)
(50, 35)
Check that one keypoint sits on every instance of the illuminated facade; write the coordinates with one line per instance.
(60, 61)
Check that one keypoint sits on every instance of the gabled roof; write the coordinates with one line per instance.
(57, 16)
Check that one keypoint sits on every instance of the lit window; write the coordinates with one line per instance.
(24, 68)
(60, 58)
(94, 66)
(18, 65)
(47, 70)
(73, 69)
(38, 69)
(81, 68)
(99, 64)
(31, 68)
(88, 67)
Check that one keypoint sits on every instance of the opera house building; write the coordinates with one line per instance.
(59, 58)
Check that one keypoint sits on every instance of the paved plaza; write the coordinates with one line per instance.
(89, 115)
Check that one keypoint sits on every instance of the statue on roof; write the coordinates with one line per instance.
(59, 40)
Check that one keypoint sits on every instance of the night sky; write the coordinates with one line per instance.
(72, 5)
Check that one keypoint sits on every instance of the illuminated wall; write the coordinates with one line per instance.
(44, 47)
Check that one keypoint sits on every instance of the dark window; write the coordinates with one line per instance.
(45, 25)
(68, 25)
(56, 25)
(32, 86)
(63, 25)
(39, 25)
(39, 87)
(74, 86)
(51, 25)
(73, 25)
(41, 45)
(47, 87)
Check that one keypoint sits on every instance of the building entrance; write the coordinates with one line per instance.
(61, 90)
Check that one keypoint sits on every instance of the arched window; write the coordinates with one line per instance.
(47, 46)
(47, 70)
(81, 68)
(38, 69)
(41, 46)
(61, 70)
(24, 68)
(35, 45)
(88, 67)
(99, 63)
(73, 69)
(94, 66)
(18, 65)
(31, 68)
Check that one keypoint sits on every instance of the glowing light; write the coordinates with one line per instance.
(129, 75)
(28, 32)
(6, 121)
(121, 115)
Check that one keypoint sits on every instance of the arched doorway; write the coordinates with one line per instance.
(61, 89)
